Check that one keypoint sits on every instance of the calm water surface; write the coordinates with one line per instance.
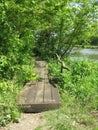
(85, 53)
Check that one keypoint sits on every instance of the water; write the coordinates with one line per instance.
(91, 54)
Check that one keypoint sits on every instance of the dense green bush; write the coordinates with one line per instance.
(16, 37)
(81, 81)
(16, 63)
(8, 108)
(79, 95)
(9, 92)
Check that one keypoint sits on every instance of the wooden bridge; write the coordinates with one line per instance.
(40, 95)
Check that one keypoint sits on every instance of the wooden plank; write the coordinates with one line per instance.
(55, 95)
(39, 94)
(30, 98)
(46, 76)
(47, 93)
(26, 93)
(42, 73)
(47, 89)
(22, 97)
(40, 64)
(39, 107)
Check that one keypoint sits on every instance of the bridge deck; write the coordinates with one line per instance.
(40, 95)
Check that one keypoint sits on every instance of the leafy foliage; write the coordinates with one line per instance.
(15, 37)
(64, 25)
(79, 95)
(81, 81)
(16, 63)
(8, 108)
(42, 28)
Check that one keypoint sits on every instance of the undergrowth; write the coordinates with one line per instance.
(10, 88)
(8, 108)
(79, 95)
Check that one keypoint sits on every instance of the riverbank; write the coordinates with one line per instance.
(84, 53)
(86, 46)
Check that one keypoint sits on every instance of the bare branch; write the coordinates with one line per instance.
(63, 66)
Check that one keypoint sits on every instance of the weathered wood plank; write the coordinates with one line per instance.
(31, 95)
(40, 64)
(55, 95)
(39, 107)
(39, 95)
(42, 73)
(22, 97)
(26, 92)
(47, 93)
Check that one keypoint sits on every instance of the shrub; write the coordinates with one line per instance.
(81, 81)
(79, 95)
(8, 108)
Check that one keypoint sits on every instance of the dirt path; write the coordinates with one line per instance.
(27, 122)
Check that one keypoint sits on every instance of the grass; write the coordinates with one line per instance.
(79, 94)
(71, 116)
(10, 90)
(8, 109)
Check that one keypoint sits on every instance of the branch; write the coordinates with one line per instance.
(63, 66)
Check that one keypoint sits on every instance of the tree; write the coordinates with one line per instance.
(16, 35)
(64, 25)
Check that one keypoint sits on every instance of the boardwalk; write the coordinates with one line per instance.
(41, 95)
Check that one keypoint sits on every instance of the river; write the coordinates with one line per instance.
(91, 54)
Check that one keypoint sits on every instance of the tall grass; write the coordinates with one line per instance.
(10, 89)
(79, 94)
